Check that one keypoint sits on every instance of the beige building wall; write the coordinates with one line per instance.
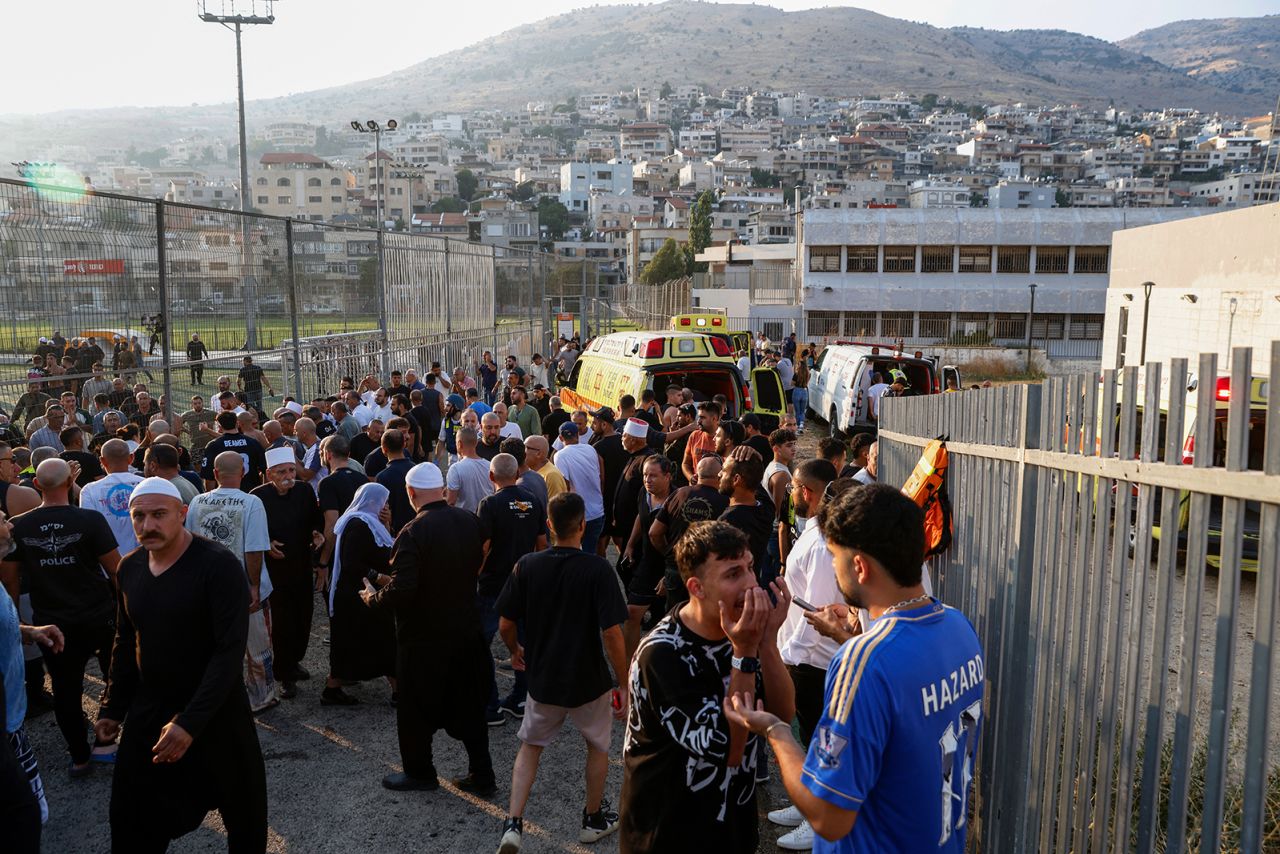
(1216, 286)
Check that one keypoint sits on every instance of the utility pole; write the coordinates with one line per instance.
(1146, 311)
(233, 19)
(1031, 320)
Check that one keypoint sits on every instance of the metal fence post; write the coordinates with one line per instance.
(1017, 670)
(293, 313)
(448, 306)
(382, 306)
(162, 287)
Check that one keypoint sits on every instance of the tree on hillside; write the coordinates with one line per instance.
(764, 178)
(665, 91)
(928, 101)
(699, 231)
(449, 204)
(467, 183)
(553, 216)
(523, 191)
(667, 264)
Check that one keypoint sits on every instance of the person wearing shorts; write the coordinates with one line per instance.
(567, 601)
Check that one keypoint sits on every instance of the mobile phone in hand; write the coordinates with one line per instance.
(801, 604)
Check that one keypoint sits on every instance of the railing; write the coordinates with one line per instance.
(1131, 692)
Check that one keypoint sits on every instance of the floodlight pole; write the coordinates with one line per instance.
(249, 284)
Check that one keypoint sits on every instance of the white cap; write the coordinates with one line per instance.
(424, 476)
(281, 456)
(155, 486)
(637, 428)
(294, 407)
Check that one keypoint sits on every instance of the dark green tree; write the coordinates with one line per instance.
(553, 216)
(667, 263)
(665, 91)
(699, 231)
(928, 101)
(449, 204)
(764, 178)
(524, 191)
(467, 183)
(1061, 199)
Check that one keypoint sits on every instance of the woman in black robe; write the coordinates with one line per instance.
(362, 643)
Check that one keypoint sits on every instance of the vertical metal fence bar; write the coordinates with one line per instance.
(1192, 604)
(295, 343)
(170, 411)
(1215, 783)
(1112, 699)
(1265, 635)
(1043, 581)
(384, 339)
(1163, 625)
(1058, 604)
(1138, 611)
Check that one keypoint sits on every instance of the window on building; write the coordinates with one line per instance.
(1011, 327)
(823, 324)
(975, 259)
(860, 324)
(824, 259)
(313, 182)
(262, 200)
(897, 324)
(1013, 259)
(899, 259)
(1048, 327)
(315, 200)
(1052, 259)
(1092, 259)
(937, 259)
(262, 182)
(335, 182)
(217, 266)
(862, 259)
(935, 325)
(282, 182)
(973, 324)
(337, 200)
(1086, 327)
(282, 200)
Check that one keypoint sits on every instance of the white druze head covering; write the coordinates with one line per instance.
(425, 476)
(365, 506)
(294, 407)
(280, 457)
(154, 486)
(636, 428)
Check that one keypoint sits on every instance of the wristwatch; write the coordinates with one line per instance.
(746, 665)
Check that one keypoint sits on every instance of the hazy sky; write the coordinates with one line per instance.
(62, 54)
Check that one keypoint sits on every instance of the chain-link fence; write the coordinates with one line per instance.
(175, 296)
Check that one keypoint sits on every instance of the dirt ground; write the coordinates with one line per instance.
(324, 767)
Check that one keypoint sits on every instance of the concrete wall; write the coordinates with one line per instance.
(1234, 255)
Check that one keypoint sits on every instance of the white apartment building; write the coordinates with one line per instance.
(703, 141)
(1021, 194)
(289, 134)
(948, 122)
(299, 185)
(644, 141)
(748, 138)
(418, 150)
(610, 210)
(935, 193)
(1235, 149)
(578, 180)
(1241, 191)
(963, 274)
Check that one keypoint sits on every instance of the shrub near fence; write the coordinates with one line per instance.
(1131, 694)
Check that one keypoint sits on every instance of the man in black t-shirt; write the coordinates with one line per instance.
(698, 502)
(250, 379)
(392, 476)
(690, 776)
(514, 523)
(367, 441)
(336, 492)
(755, 438)
(231, 439)
(628, 494)
(61, 552)
(552, 421)
(740, 480)
(428, 411)
(568, 602)
(72, 439)
(490, 444)
(608, 445)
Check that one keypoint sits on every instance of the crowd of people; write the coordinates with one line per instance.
(654, 562)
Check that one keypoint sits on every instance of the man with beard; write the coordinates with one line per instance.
(368, 441)
(703, 440)
(190, 744)
(613, 459)
(689, 774)
(432, 589)
(626, 496)
(294, 523)
(686, 415)
(913, 681)
(198, 423)
(647, 562)
(428, 411)
(490, 437)
(700, 501)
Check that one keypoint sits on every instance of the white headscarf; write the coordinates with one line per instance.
(365, 506)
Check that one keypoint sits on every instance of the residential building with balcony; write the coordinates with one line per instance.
(299, 185)
(504, 223)
(934, 193)
(644, 141)
(1010, 195)
(1240, 191)
(579, 180)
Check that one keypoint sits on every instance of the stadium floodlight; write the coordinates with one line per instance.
(379, 174)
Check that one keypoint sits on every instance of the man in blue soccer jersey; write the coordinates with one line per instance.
(891, 762)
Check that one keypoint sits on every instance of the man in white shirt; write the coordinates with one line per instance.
(811, 577)
(110, 495)
(744, 365)
(583, 468)
(375, 403)
(467, 480)
(238, 521)
(874, 393)
(538, 374)
(508, 430)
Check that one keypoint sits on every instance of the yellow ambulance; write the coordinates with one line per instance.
(630, 362)
(713, 323)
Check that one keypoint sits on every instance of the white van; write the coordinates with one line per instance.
(840, 381)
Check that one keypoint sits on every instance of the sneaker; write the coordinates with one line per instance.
(511, 830)
(599, 824)
(515, 710)
(337, 697)
(495, 717)
(800, 839)
(786, 817)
